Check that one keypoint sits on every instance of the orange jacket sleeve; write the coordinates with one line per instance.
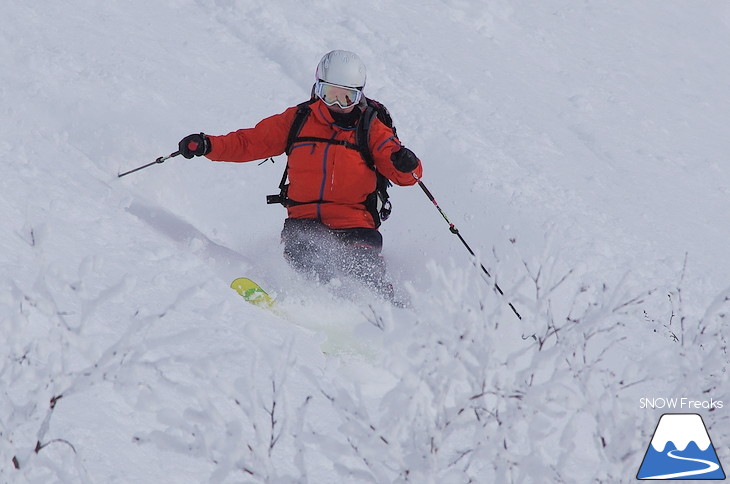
(267, 138)
(383, 143)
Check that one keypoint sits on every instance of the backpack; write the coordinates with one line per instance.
(377, 203)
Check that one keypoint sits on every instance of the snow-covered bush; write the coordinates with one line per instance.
(478, 396)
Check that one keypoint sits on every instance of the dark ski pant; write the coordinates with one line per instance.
(318, 251)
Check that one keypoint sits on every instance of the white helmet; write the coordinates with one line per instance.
(342, 68)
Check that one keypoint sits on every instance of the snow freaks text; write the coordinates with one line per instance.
(681, 403)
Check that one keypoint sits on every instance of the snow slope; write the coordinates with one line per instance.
(580, 147)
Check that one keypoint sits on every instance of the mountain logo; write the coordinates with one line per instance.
(681, 449)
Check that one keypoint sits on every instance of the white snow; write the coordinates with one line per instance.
(681, 429)
(580, 147)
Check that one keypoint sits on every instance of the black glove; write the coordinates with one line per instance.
(404, 160)
(194, 145)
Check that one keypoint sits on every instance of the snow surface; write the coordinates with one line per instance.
(580, 147)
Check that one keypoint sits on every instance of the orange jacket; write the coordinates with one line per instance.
(319, 171)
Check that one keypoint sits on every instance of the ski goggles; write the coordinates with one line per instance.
(333, 94)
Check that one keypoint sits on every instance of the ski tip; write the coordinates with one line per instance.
(252, 292)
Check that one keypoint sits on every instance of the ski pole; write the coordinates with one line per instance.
(455, 231)
(161, 159)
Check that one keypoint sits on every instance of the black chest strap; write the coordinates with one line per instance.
(377, 203)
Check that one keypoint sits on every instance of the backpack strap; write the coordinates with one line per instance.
(377, 203)
(362, 136)
(303, 111)
(300, 118)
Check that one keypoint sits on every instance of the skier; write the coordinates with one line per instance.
(329, 228)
